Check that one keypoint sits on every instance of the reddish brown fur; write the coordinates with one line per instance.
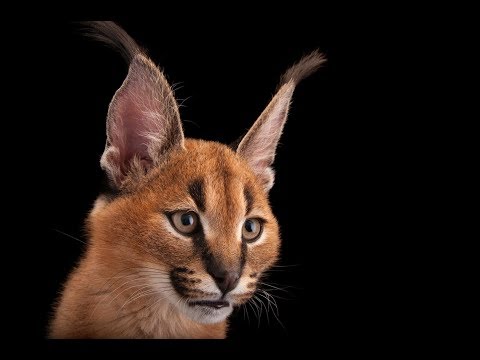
(128, 232)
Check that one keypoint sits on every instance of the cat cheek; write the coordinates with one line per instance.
(262, 256)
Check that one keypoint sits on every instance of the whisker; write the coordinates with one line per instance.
(121, 292)
(259, 314)
(273, 288)
(246, 312)
(148, 291)
(285, 266)
(267, 306)
(271, 300)
(253, 309)
(70, 236)
(249, 303)
(261, 305)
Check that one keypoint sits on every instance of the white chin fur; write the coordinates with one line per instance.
(200, 314)
(206, 315)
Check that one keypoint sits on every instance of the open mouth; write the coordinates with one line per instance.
(213, 304)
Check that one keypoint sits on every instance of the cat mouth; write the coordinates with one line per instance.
(213, 304)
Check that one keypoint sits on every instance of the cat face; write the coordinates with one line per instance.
(192, 214)
(203, 222)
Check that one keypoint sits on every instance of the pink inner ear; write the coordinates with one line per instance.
(127, 134)
(260, 151)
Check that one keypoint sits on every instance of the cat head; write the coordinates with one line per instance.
(192, 215)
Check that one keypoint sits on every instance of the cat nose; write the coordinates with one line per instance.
(226, 280)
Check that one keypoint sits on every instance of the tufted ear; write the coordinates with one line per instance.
(143, 122)
(259, 145)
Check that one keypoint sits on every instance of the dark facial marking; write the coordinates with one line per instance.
(248, 198)
(183, 270)
(253, 275)
(243, 256)
(182, 283)
(195, 189)
(212, 265)
(227, 177)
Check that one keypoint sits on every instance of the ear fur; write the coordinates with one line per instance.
(143, 121)
(259, 144)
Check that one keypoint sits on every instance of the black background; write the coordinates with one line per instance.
(227, 72)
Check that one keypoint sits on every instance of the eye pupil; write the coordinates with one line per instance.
(250, 226)
(187, 219)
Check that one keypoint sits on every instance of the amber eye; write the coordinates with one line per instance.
(252, 229)
(185, 222)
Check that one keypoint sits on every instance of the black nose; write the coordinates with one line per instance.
(226, 280)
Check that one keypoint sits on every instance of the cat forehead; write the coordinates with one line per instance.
(212, 161)
(211, 165)
(208, 176)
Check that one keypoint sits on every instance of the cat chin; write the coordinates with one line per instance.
(205, 315)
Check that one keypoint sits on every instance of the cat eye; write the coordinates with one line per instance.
(252, 229)
(185, 222)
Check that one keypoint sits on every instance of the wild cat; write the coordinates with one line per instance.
(187, 231)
